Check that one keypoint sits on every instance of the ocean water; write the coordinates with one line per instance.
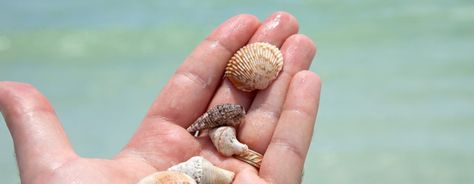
(397, 103)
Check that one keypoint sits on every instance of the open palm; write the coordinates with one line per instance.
(278, 124)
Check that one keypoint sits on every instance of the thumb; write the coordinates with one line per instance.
(41, 144)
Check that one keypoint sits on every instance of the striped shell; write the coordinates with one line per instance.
(224, 114)
(254, 66)
(251, 157)
(167, 177)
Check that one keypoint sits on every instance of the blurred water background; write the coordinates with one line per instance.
(397, 103)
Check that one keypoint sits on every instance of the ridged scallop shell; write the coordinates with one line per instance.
(254, 66)
(225, 141)
(203, 172)
(167, 177)
(225, 114)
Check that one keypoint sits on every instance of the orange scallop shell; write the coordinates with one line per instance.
(254, 66)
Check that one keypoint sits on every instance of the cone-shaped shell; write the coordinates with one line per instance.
(225, 114)
(225, 141)
(203, 172)
(167, 177)
(254, 66)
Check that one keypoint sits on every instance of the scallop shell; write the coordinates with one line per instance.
(226, 142)
(203, 172)
(254, 66)
(167, 177)
(225, 114)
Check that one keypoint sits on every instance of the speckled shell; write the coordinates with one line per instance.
(254, 66)
(225, 141)
(225, 114)
(167, 177)
(203, 172)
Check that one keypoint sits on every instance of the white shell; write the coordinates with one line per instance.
(203, 172)
(167, 177)
(225, 141)
(254, 66)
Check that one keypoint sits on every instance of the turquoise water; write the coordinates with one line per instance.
(398, 92)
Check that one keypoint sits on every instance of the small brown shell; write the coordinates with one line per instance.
(167, 177)
(224, 114)
(254, 66)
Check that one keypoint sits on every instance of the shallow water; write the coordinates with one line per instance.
(398, 90)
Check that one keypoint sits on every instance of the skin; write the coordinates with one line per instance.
(279, 121)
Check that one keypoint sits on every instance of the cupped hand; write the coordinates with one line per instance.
(279, 121)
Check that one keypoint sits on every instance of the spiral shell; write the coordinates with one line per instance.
(203, 172)
(167, 177)
(225, 114)
(226, 142)
(251, 157)
(254, 66)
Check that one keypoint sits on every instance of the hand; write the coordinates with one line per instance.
(279, 121)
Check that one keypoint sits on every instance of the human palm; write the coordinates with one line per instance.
(279, 121)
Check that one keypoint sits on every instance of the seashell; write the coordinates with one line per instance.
(254, 66)
(203, 172)
(251, 157)
(226, 142)
(167, 177)
(225, 114)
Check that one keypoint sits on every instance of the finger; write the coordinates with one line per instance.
(284, 159)
(41, 144)
(298, 52)
(189, 91)
(274, 30)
